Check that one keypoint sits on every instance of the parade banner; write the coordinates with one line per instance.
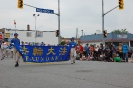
(41, 54)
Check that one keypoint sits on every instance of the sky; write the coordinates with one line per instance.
(83, 15)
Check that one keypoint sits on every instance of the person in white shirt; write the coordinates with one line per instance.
(3, 49)
(22, 43)
(26, 43)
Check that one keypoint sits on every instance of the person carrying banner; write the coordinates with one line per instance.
(72, 44)
(15, 41)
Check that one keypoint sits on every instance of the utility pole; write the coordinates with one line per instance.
(103, 14)
(103, 41)
(59, 38)
(34, 15)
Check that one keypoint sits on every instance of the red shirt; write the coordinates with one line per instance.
(92, 48)
(80, 48)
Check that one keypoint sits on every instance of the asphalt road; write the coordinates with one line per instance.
(82, 74)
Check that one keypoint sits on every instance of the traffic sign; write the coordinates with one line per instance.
(45, 10)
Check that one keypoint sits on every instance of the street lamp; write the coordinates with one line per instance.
(34, 15)
(103, 22)
(59, 40)
(59, 21)
(82, 32)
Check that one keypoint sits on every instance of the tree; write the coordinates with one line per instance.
(61, 37)
(122, 31)
(63, 43)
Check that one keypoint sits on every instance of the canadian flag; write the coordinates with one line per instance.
(15, 23)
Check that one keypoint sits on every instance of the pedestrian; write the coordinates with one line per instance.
(3, 50)
(87, 51)
(77, 52)
(22, 43)
(113, 51)
(132, 57)
(125, 49)
(42, 44)
(15, 41)
(72, 44)
(120, 51)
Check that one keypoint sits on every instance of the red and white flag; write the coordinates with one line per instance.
(15, 23)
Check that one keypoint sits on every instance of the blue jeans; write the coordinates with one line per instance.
(125, 57)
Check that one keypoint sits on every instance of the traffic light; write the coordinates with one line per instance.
(57, 33)
(121, 4)
(105, 33)
(20, 4)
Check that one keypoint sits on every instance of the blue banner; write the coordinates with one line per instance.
(40, 54)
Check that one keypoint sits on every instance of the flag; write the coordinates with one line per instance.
(15, 23)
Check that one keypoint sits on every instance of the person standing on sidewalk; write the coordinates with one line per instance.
(125, 49)
(72, 44)
(15, 41)
(87, 51)
(120, 51)
(4, 51)
(132, 57)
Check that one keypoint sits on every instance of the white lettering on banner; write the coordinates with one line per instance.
(122, 36)
(38, 10)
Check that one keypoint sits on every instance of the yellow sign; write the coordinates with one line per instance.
(7, 35)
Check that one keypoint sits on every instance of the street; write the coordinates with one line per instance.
(82, 74)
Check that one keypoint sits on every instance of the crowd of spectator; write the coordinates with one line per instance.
(97, 53)
(103, 53)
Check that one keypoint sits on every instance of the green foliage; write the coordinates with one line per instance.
(122, 31)
(63, 43)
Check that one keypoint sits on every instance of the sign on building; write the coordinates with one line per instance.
(39, 34)
(7, 35)
(122, 36)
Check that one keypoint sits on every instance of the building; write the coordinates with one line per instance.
(48, 37)
(96, 39)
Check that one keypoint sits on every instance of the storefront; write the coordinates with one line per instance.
(111, 38)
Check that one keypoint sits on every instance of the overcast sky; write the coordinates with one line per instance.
(82, 14)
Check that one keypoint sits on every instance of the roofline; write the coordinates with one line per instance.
(25, 30)
(69, 38)
(107, 33)
(109, 40)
